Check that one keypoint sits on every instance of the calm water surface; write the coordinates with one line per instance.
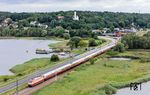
(121, 58)
(144, 91)
(13, 52)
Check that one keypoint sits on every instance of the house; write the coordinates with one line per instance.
(60, 17)
(97, 31)
(109, 34)
(67, 31)
(122, 32)
(35, 23)
(8, 22)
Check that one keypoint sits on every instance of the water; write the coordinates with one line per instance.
(144, 91)
(120, 58)
(13, 52)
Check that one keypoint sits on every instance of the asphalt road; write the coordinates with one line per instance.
(38, 73)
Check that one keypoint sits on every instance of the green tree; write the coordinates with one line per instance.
(120, 47)
(54, 58)
(92, 42)
(83, 43)
(66, 36)
(74, 42)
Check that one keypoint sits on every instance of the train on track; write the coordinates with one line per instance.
(35, 81)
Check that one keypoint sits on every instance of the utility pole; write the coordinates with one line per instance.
(17, 87)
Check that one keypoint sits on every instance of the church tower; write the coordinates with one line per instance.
(75, 16)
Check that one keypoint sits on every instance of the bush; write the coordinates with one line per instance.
(120, 47)
(144, 60)
(92, 61)
(112, 53)
(92, 43)
(54, 58)
(83, 43)
(66, 36)
(106, 90)
(5, 79)
(109, 90)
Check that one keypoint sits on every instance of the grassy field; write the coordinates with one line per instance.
(62, 44)
(22, 70)
(33, 65)
(102, 78)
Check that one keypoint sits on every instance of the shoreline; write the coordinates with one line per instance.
(34, 38)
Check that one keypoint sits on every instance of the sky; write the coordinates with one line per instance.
(136, 6)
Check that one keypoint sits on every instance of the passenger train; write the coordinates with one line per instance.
(35, 81)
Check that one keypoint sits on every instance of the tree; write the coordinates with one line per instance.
(23, 23)
(71, 44)
(92, 42)
(83, 43)
(133, 41)
(74, 42)
(66, 36)
(5, 79)
(58, 32)
(120, 47)
(54, 58)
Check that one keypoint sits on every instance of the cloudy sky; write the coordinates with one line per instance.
(142, 6)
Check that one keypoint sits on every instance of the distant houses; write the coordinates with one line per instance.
(60, 17)
(119, 32)
(35, 23)
(8, 22)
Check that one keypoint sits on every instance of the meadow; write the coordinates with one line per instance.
(103, 77)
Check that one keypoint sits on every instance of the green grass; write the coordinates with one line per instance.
(13, 91)
(22, 70)
(100, 78)
(61, 44)
(32, 65)
(136, 53)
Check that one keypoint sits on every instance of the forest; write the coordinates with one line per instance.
(89, 20)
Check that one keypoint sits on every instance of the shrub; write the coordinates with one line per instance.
(120, 47)
(83, 43)
(92, 43)
(112, 53)
(109, 90)
(144, 60)
(5, 79)
(106, 90)
(66, 36)
(92, 61)
(54, 58)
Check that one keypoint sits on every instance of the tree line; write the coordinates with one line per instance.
(88, 19)
(133, 41)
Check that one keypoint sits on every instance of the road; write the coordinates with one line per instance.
(38, 73)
